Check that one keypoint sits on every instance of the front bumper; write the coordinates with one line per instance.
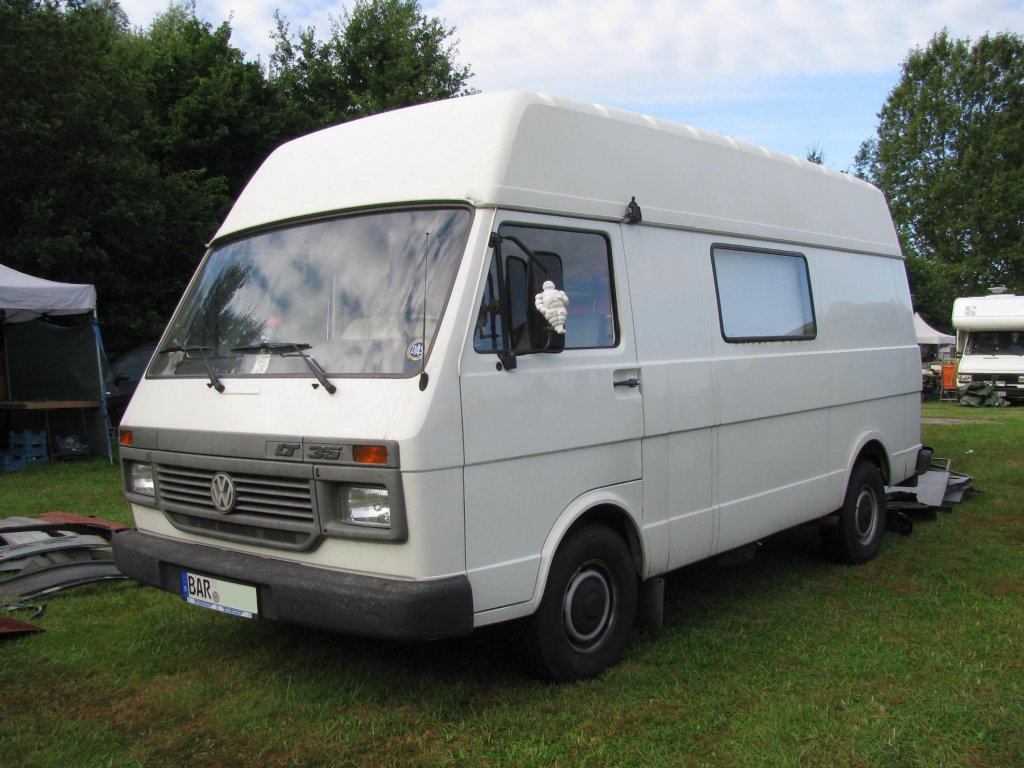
(350, 603)
(1006, 384)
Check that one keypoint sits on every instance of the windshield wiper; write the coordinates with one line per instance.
(188, 350)
(281, 347)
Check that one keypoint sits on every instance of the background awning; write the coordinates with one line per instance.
(928, 335)
(23, 297)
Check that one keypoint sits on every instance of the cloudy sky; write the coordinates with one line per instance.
(785, 74)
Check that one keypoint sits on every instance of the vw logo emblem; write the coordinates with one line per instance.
(222, 492)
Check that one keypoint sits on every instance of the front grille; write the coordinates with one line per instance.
(270, 511)
(1010, 385)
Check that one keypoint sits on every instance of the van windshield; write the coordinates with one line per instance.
(361, 295)
(996, 343)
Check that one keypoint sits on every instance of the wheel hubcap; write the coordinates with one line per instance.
(866, 516)
(587, 607)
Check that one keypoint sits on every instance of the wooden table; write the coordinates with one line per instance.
(47, 405)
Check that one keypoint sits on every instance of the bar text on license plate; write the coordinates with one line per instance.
(219, 594)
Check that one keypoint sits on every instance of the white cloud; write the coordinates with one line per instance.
(509, 44)
(530, 42)
(783, 73)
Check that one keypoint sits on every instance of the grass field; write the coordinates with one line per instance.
(915, 659)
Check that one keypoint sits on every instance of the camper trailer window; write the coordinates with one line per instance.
(763, 295)
(365, 292)
(584, 260)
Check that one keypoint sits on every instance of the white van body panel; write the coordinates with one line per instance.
(514, 150)
(688, 443)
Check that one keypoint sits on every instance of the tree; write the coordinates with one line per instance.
(211, 110)
(382, 55)
(949, 155)
(69, 111)
(394, 56)
(122, 149)
(815, 154)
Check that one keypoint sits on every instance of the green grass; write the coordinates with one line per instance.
(914, 659)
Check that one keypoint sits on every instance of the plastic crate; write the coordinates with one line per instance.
(35, 452)
(35, 461)
(10, 462)
(27, 440)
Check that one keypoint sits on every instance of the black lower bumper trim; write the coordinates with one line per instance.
(349, 603)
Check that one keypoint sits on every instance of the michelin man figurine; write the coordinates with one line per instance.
(551, 303)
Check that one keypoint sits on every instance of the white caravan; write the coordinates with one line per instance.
(370, 413)
(990, 341)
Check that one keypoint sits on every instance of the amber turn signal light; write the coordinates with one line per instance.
(370, 454)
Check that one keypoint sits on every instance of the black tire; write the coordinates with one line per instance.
(860, 523)
(586, 615)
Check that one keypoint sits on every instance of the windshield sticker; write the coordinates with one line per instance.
(414, 351)
(262, 362)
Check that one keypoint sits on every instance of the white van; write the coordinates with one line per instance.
(358, 418)
(990, 342)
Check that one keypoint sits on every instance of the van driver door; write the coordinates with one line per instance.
(547, 417)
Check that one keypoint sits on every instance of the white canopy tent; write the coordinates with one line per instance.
(53, 359)
(928, 335)
(23, 297)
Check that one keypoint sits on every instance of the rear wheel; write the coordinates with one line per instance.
(586, 615)
(860, 525)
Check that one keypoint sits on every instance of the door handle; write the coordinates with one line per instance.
(631, 382)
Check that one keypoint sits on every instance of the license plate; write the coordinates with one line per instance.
(219, 595)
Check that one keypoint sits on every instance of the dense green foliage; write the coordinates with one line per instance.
(123, 148)
(382, 55)
(949, 154)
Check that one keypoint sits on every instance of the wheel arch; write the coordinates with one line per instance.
(874, 451)
(611, 510)
(869, 448)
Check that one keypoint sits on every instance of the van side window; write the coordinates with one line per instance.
(579, 263)
(763, 295)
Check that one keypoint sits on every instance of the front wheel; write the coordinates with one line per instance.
(589, 604)
(860, 525)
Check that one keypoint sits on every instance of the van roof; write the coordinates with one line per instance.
(531, 151)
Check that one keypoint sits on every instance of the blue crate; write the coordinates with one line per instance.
(26, 440)
(35, 461)
(35, 452)
(10, 462)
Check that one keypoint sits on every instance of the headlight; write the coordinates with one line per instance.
(140, 479)
(964, 378)
(368, 506)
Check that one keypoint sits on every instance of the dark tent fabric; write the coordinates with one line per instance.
(67, 371)
(53, 354)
